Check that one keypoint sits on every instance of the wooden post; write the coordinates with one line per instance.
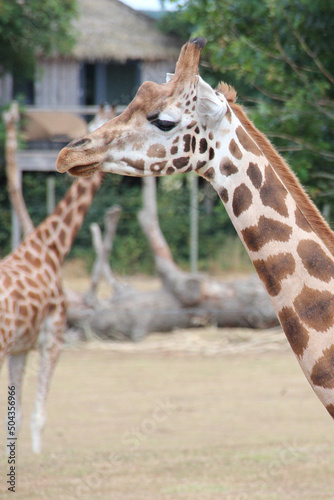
(193, 179)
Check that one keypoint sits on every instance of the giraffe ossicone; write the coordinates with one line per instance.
(186, 125)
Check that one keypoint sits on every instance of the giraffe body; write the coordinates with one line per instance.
(185, 125)
(32, 301)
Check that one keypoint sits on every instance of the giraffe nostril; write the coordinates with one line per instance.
(80, 142)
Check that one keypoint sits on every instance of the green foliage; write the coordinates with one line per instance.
(29, 28)
(280, 58)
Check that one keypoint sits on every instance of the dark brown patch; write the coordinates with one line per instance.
(242, 199)
(81, 190)
(186, 139)
(314, 259)
(266, 230)
(156, 151)
(7, 281)
(139, 164)
(181, 162)
(209, 174)
(203, 145)
(200, 164)
(174, 150)
(223, 194)
(323, 371)
(62, 237)
(158, 166)
(302, 222)
(273, 270)
(36, 246)
(170, 170)
(211, 153)
(315, 308)
(196, 130)
(191, 124)
(176, 140)
(32, 259)
(255, 175)
(227, 167)
(246, 142)
(235, 150)
(330, 409)
(273, 193)
(295, 332)
(193, 144)
(68, 219)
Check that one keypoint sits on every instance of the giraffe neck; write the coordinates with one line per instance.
(294, 261)
(58, 231)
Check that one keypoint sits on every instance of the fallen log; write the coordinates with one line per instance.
(184, 300)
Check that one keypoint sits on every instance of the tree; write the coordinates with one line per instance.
(280, 58)
(32, 27)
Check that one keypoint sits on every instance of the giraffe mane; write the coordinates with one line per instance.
(289, 179)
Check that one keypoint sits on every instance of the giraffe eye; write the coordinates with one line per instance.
(164, 125)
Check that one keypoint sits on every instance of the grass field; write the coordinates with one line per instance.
(176, 417)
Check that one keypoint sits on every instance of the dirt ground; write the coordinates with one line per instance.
(203, 414)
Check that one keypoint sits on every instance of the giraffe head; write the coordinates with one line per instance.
(164, 130)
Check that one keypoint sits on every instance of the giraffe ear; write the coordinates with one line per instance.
(169, 76)
(210, 108)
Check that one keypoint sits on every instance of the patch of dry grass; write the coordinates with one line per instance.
(167, 425)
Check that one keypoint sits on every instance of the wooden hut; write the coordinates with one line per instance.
(117, 48)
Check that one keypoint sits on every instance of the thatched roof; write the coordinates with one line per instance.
(110, 30)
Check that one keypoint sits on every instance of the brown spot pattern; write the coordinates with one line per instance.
(223, 194)
(181, 162)
(315, 308)
(255, 175)
(227, 167)
(235, 150)
(203, 145)
(174, 150)
(315, 260)
(247, 143)
(301, 221)
(186, 139)
(193, 144)
(139, 164)
(242, 199)
(156, 151)
(266, 230)
(273, 192)
(323, 370)
(295, 332)
(209, 174)
(211, 153)
(200, 164)
(273, 270)
(191, 124)
(158, 166)
(330, 409)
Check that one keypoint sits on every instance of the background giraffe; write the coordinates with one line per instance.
(185, 125)
(32, 302)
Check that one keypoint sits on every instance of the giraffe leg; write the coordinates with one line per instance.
(16, 364)
(52, 342)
